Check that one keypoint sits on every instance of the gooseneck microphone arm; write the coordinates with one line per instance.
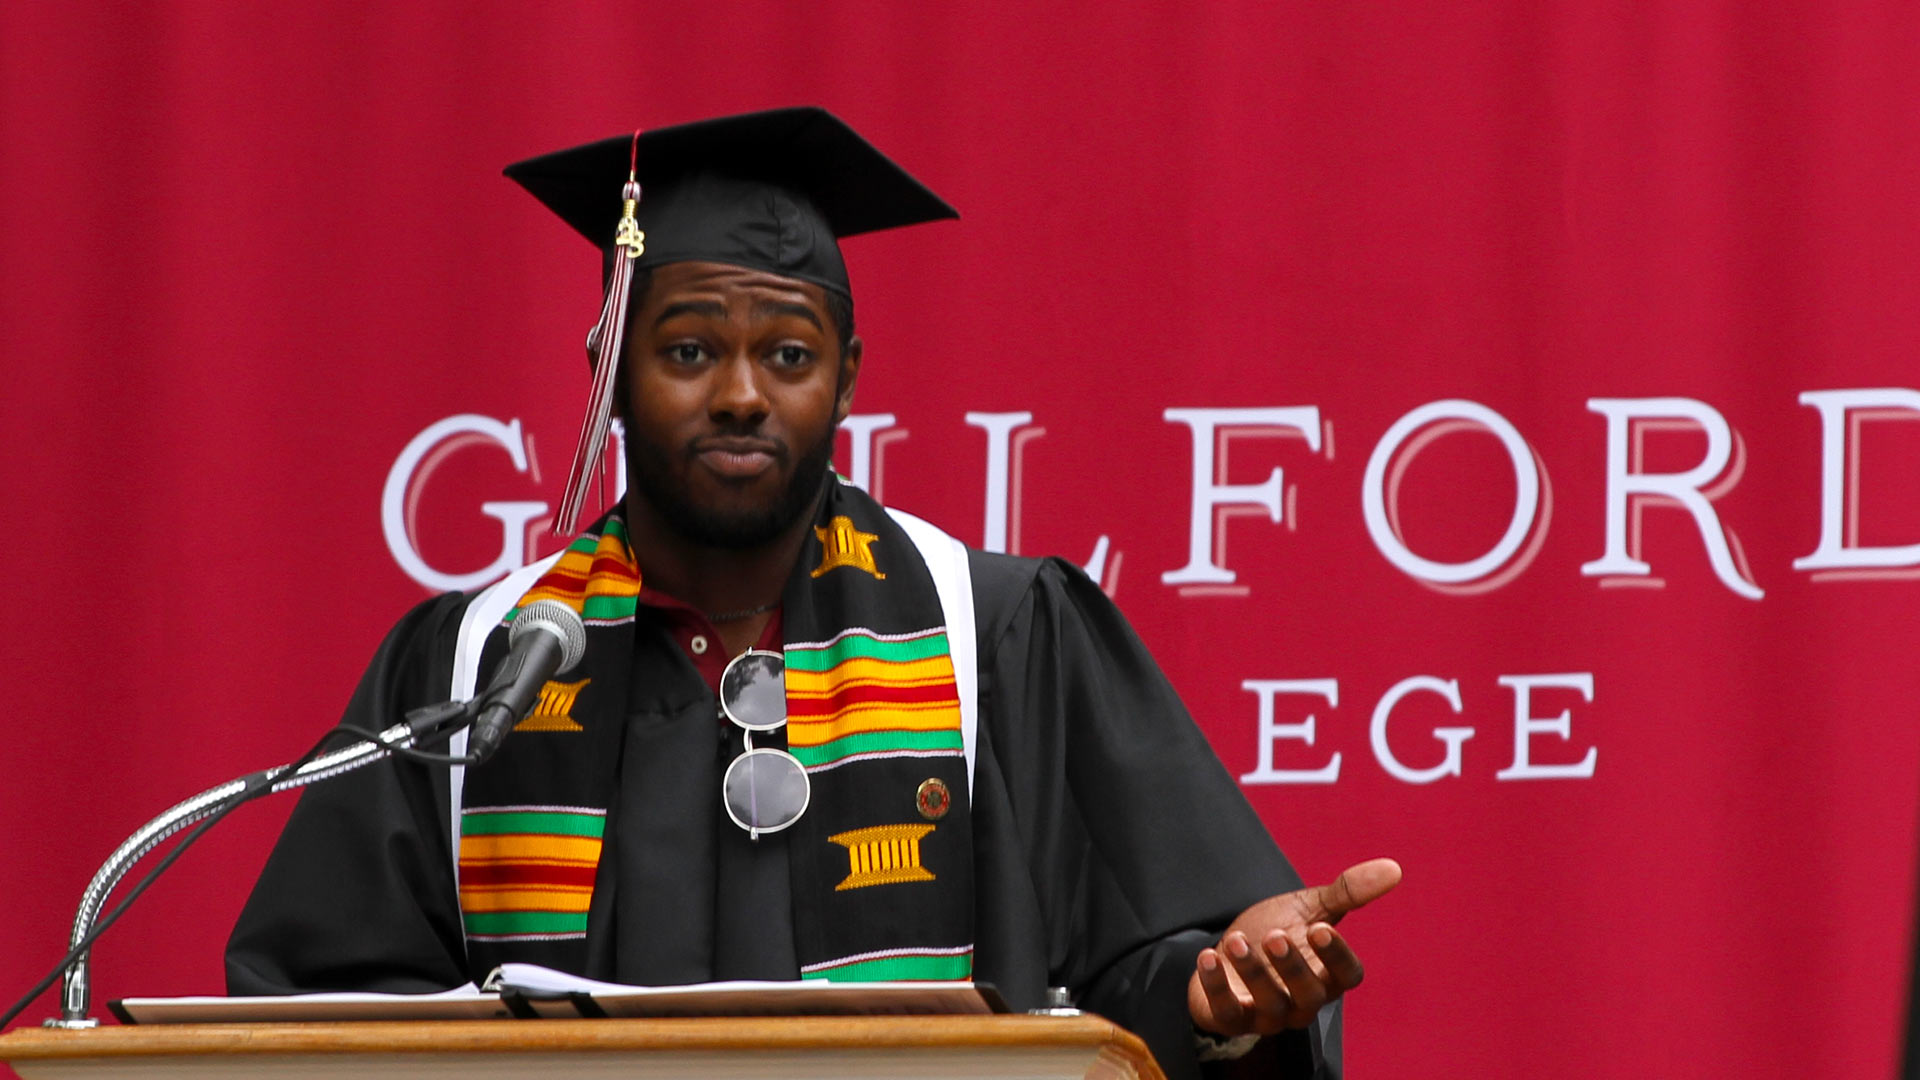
(547, 638)
(422, 725)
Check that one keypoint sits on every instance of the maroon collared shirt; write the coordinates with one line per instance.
(697, 638)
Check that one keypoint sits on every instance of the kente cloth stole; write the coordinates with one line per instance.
(882, 860)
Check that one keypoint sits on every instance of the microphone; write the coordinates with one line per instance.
(547, 638)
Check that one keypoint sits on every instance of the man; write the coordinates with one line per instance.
(970, 768)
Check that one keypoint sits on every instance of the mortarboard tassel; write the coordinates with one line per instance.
(609, 337)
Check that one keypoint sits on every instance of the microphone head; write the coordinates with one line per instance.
(556, 618)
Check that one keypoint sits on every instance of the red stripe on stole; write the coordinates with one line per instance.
(566, 579)
(607, 564)
(844, 696)
(559, 578)
(526, 874)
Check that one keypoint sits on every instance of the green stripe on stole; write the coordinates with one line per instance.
(860, 742)
(901, 969)
(526, 922)
(563, 823)
(861, 646)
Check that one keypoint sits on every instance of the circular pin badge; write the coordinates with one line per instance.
(933, 799)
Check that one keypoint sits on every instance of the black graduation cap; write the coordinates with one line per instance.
(768, 190)
(771, 191)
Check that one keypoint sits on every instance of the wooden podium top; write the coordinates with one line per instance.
(823, 1047)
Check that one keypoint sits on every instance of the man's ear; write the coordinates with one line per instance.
(849, 374)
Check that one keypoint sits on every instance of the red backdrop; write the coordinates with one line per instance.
(252, 252)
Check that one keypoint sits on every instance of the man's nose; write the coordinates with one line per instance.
(737, 394)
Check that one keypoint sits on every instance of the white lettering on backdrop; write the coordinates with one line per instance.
(1379, 510)
(1526, 727)
(1841, 414)
(400, 497)
(1213, 428)
(1838, 554)
(1627, 417)
(863, 468)
(1271, 730)
(1389, 462)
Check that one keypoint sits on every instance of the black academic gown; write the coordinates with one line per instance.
(1110, 846)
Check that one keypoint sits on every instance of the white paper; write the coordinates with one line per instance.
(460, 1003)
(807, 997)
(552, 993)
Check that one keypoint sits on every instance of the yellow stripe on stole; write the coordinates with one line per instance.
(521, 898)
(579, 564)
(863, 669)
(599, 586)
(930, 716)
(530, 847)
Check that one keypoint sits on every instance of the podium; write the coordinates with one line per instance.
(801, 1047)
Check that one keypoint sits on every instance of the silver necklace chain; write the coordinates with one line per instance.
(736, 616)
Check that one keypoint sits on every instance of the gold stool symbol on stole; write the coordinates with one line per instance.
(554, 710)
(883, 855)
(843, 545)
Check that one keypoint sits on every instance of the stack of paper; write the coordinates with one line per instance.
(528, 990)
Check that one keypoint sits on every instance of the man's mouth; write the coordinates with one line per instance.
(737, 458)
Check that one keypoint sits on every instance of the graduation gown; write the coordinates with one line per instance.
(1110, 845)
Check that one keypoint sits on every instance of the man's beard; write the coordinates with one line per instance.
(650, 470)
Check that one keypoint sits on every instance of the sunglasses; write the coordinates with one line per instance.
(765, 789)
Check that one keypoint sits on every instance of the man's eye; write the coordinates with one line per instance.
(686, 353)
(792, 355)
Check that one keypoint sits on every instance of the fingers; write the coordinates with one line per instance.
(1225, 1013)
(1336, 957)
(1299, 962)
(1357, 886)
(1305, 991)
(1280, 984)
(1272, 999)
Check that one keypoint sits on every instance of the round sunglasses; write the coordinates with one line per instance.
(765, 789)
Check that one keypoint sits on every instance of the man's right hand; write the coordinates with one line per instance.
(1282, 960)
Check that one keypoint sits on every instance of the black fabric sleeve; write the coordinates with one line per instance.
(1140, 845)
(359, 892)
